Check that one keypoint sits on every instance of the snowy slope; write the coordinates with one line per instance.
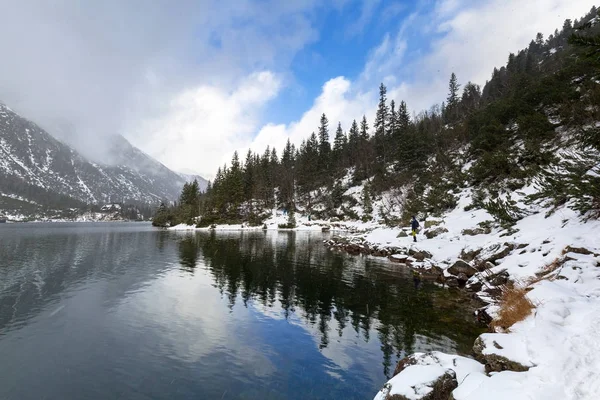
(31, 159)
(558, 342)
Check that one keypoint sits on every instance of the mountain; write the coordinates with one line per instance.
(37, 169)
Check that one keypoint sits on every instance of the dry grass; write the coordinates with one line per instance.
(547, 270)
(514, 307)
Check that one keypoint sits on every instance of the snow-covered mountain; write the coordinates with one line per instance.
(37, 168)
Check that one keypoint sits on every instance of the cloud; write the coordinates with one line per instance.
(338, 100)
(367, 11)
(467, 38)
(205, 124)
(87, 70)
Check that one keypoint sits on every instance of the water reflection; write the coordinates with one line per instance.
(331, 291)
(113, 311)
(188, 253)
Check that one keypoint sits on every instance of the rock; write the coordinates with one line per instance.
(353, 249)
(398, 258)
(431, 233)
(483, 316)
(474, 232)
(421, 377)
(469, 255)
(402, 234)
(325, 229)
(431, 223)
(508, 247)
(498, 279)
(462, 278)
(421, 255)
(474, 286)
(494, 362)
(484, 266)
(461, 266)
(452, 281)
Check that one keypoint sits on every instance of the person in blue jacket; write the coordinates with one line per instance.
(414, 224)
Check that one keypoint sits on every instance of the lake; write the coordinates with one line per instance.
(121, 310)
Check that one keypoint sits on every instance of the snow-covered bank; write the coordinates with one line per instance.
(554, 353)
(303, 223)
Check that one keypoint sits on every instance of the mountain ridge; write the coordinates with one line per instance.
(37, 168)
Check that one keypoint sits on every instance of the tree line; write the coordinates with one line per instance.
(503, 128)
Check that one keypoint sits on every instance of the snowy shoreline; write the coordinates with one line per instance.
(553, 352)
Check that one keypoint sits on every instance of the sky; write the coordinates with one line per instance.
(190, 82)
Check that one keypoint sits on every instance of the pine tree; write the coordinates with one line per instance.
(452, 99)
(339, 147)
(367, 204)
(324, 145)
(403, 117)
(381, 121)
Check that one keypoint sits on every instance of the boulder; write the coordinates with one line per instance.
(483, 266)
(431, 223)
(474, 286)
(421, 255)
(462, 278)
(431, 233)
(398, 258)
(508, 247)
(474, 232)
(498, 279)
(353, 249)
(492, 357)
(461, 266)
(452, 281)
(402, 234)
(421, 377)
(469, 255)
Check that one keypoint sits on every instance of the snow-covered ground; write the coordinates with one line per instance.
(558, 342)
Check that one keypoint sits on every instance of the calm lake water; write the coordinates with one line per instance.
(123, 311)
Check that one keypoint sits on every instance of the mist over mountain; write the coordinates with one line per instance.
(38, 169)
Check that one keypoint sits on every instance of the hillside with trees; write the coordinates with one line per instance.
(536, 121)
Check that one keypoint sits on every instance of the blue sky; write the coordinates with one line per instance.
(346, 36)
(193, 81)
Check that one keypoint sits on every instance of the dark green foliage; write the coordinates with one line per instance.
(505, 212)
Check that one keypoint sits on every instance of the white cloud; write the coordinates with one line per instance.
(204, 125)
(338, 100)
(470, 40)
(86, 70)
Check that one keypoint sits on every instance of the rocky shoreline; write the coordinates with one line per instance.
(502, 358)
(472, 271)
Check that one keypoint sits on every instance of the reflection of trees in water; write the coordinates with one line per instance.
(322, 285)
(188, 253)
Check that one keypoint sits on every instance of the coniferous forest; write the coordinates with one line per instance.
(508, 131)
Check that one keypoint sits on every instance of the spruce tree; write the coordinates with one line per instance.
(381, 121)
(452, 100)
(339, 147)
(324, 145)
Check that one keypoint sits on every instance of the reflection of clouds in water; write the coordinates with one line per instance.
(343, 352)
(192, 319)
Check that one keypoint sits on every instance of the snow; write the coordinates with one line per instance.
(559, 340)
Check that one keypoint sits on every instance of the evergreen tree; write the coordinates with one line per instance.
(452, 99)
(324, 145)
(381, 121)
(339, 147)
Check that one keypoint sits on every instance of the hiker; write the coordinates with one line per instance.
(414, 224)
